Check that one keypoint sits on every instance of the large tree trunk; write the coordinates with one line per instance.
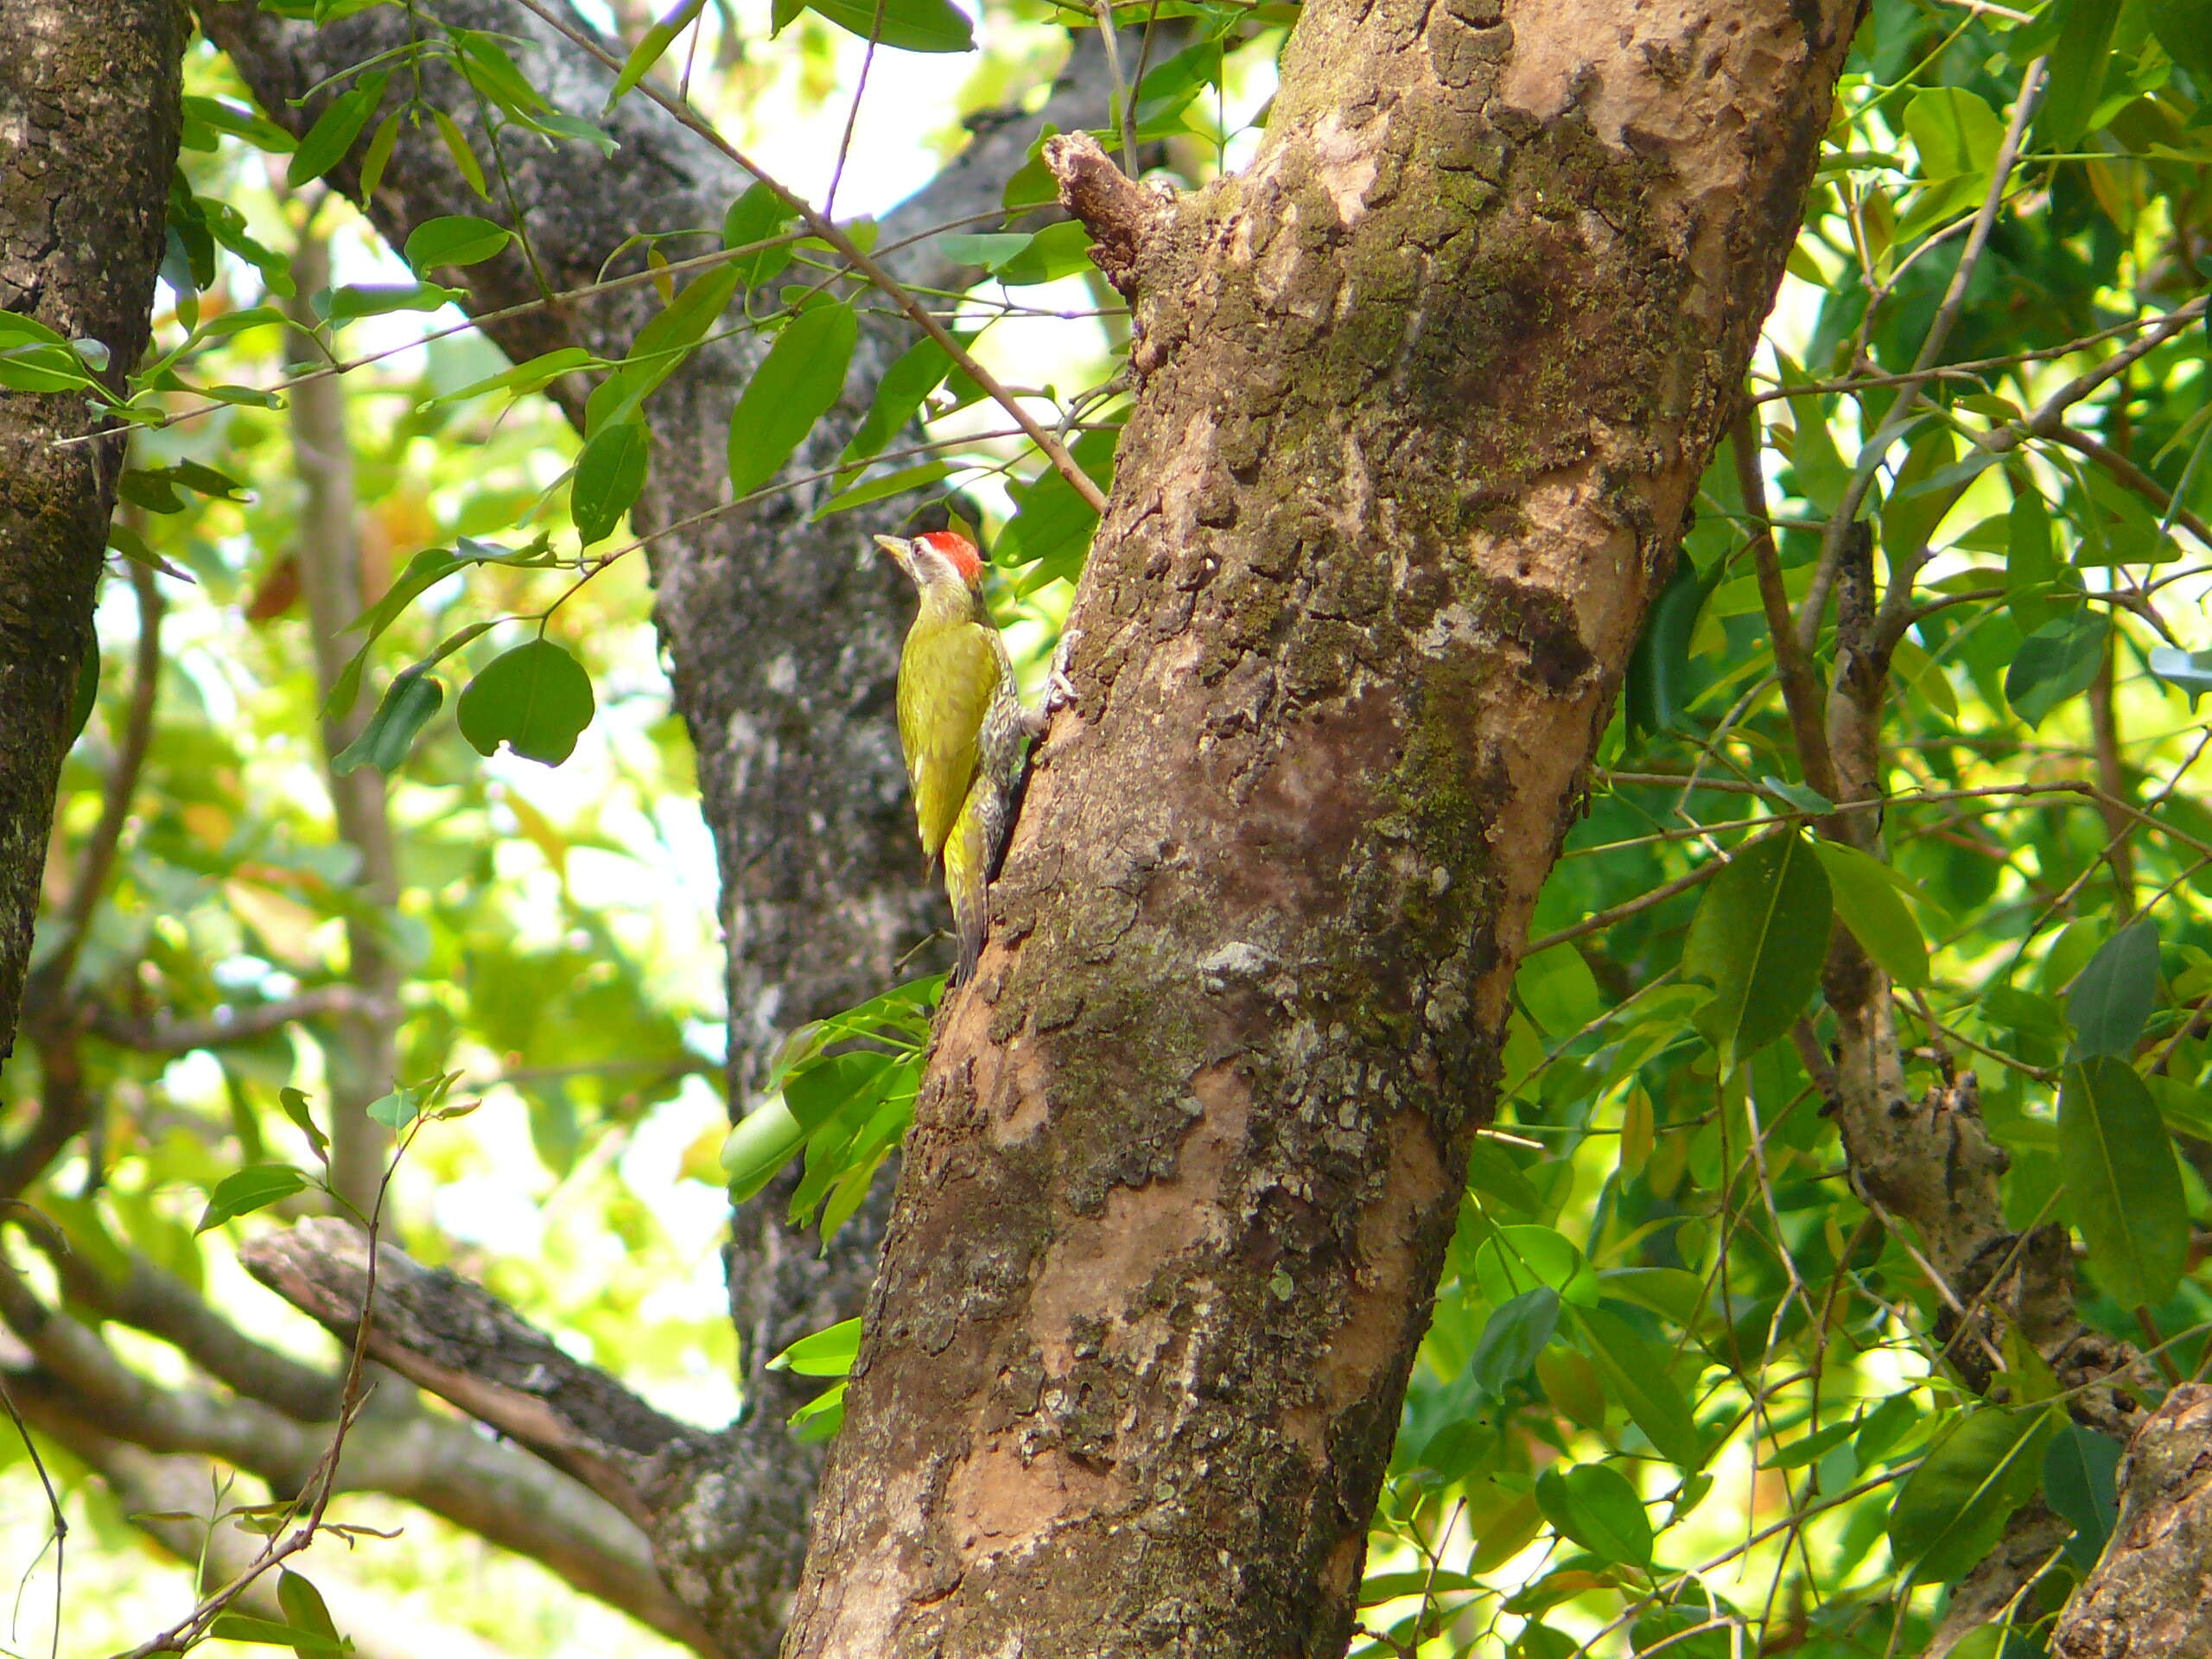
(89, 120)
(1427, 395)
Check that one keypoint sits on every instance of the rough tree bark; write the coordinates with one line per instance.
(89, 119)
(1426, 393)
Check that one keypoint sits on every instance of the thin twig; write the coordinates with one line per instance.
(1054, 451)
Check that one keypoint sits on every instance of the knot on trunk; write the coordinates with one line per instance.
(1114, 207)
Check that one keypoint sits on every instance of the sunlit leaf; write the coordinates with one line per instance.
(1593, 1504)
(1758, 938)
(455, 239)
(610, 475)
(335, 131)
(2123, 1185)
(537, 699)
(1636, 1375)
(793, 388)
(825, 1353)
(249, 1189)
(2111, 997)
(1868, 903)
(1952, 1510)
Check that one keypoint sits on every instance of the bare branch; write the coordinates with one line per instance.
(462, 1344)
(234, 1025)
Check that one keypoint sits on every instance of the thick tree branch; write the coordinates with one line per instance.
(90, 92)
(505, 1497)
(159, 1035)
(2145, 1598)
(464, 1345)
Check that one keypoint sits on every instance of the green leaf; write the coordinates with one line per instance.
(1656, 693)
(396, 1109)
(2185, 28)
(824, 1088)
(759, 215)
(826, 1353)
(920, 371)
(1956, 133)
(758, 1145)
(304, 1609)
(1953, 1507)
(2187, 670)
(88, 688)
(2080, 1481)
(1912, 509)
(911, 25)
(650, 50)
(1760, 937)
(2078, 61)
(377, 156)
(536, 698)
(251, 126)
(820, 1417)
(1557, 989)
(43, 368)
(427, 568)
(989, 250)
(18, 329)
(249, 1189)
(464, 158)
(2122, 1183)
(295, 1106)
(2031, 566)
(455, 239)
(535, 375)
(610, 474)
(888, 484)
(2111, 996)
(1516, 1259)
(1868, 901)
(1496, 1177)
(355, 301)
(335, 129)
(408, 704)
(1512, 1338)
(238, 1627)
(2056, 662)
(661, 347)
(1058, 250)
(1593, 1504)
(1636, 1375)
(1051, 525)
(795, 385)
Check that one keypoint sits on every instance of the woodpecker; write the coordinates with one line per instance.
(962, 726)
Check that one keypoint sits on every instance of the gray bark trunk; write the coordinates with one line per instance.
(1427, 395)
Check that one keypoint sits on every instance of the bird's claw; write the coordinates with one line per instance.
(1059, 690)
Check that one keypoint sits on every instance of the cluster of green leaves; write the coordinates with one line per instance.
(1663, 1162)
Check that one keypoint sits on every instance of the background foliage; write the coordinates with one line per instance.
(1686, 1388)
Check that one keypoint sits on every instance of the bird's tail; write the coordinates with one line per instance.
(968, 856)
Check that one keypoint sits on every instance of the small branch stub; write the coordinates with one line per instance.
(1113, 206)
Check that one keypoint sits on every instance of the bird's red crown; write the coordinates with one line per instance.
(958, 549)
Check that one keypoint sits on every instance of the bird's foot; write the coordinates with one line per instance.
(1059, 690)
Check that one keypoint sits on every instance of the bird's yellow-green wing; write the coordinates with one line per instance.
(947, 676)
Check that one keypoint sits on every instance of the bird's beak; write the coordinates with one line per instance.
(897, 550)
